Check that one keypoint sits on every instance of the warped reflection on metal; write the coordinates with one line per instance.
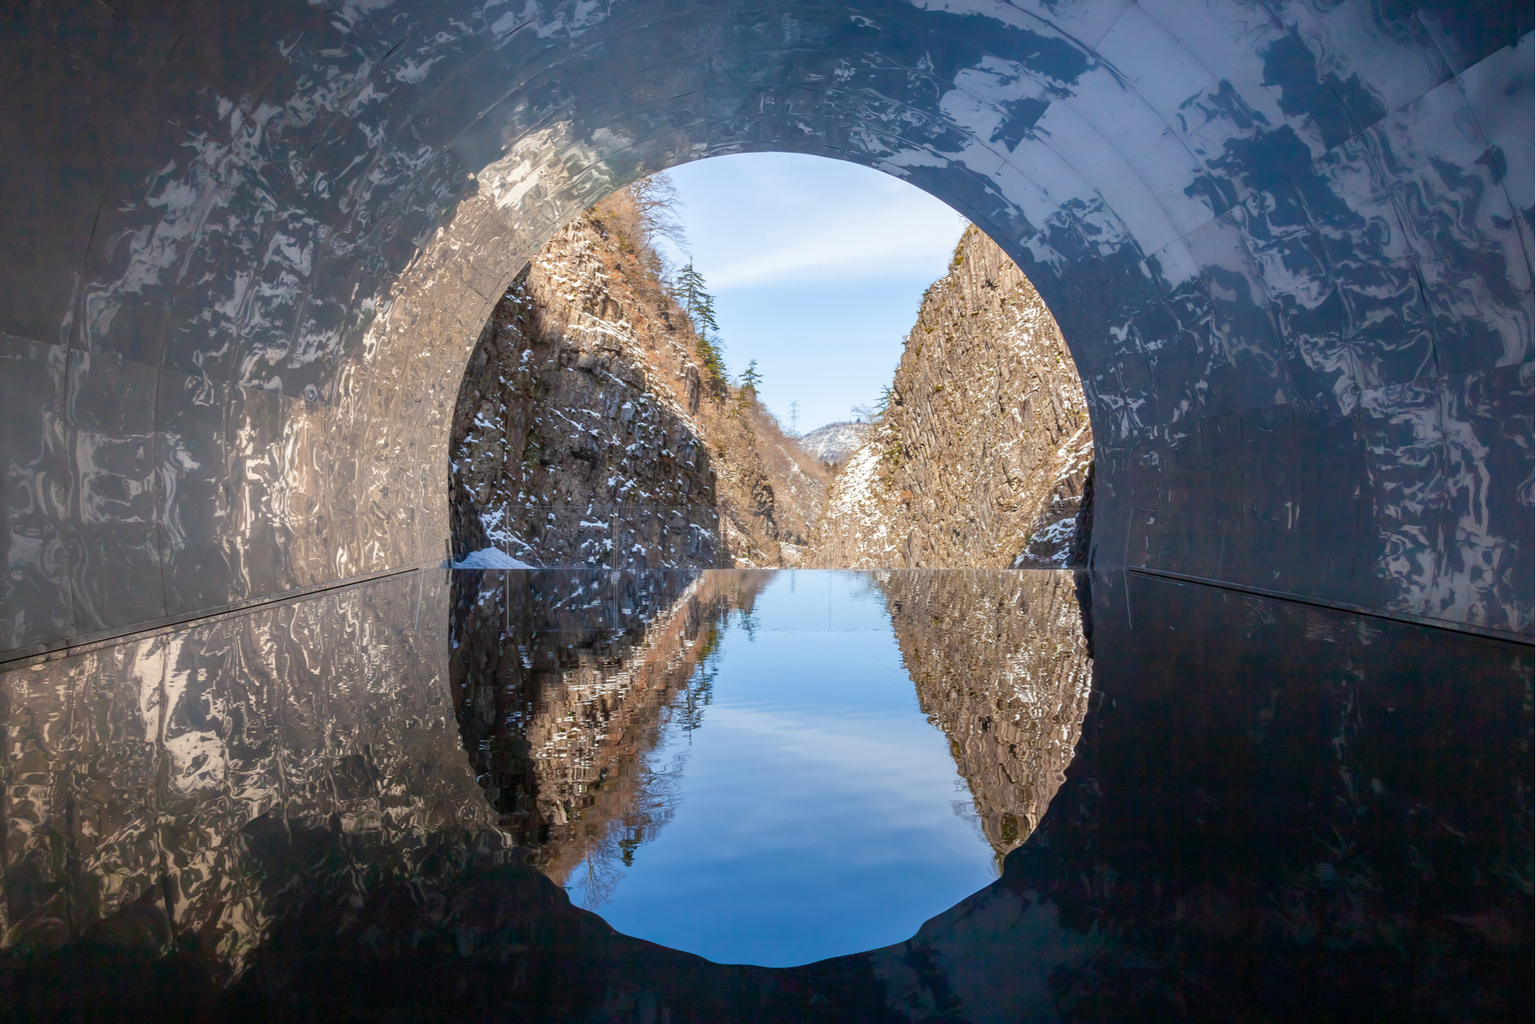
(246, 250)
(1272, 809)
(1421, 620)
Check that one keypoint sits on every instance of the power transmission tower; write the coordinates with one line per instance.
(794, 417)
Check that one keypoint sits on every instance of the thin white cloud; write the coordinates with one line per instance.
(775, 219)
(818, 266)
(901, 243)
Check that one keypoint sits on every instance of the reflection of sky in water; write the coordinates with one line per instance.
(817, 812)
(288, 797)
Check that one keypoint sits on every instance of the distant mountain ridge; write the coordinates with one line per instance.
(835, 442)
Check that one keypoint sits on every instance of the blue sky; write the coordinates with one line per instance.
(817, 267)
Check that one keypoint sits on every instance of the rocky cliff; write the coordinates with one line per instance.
(981, 455)
(593, 429)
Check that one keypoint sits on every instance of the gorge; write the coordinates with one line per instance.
(595, 427)
(982, 453)
(280, 745)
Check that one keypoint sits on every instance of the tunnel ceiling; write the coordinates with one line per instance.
(247, 249)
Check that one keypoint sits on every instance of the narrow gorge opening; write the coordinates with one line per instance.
(609, 419)
(249, 248)
(712, 747)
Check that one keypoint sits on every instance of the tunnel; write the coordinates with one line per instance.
(247, 249)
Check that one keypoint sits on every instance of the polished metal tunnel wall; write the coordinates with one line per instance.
(247, 247)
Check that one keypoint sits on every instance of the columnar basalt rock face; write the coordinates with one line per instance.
(563, 455)
(245, 251)
(587, 432)
(981, 456)
(1001, 666)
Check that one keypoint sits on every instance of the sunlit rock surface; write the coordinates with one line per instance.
(590, 432)
(980, 458)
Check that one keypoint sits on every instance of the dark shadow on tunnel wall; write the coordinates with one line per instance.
(245, 250)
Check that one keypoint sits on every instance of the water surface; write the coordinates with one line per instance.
(364, 805)
(814, 808)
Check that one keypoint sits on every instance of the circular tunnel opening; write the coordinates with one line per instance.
(250, 248)
(600, 423)
(702, 758)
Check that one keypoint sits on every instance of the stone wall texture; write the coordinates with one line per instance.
(982, 453)
(168, 782)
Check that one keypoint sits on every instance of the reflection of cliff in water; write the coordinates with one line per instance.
(1275, 812)
(566, 681)
(1000, 666)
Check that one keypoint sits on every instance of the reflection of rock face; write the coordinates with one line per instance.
(270, 817)
(567, 678)
(1275, 812)
(152, 776)
(565, 681)
(999, 663)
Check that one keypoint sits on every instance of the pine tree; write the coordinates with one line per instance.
(695, 299)
(689, 291)
(750, 378)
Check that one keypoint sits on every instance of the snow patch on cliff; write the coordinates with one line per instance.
(856, 499)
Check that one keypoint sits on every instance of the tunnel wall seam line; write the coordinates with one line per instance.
(85, 643)
(1488, 632)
